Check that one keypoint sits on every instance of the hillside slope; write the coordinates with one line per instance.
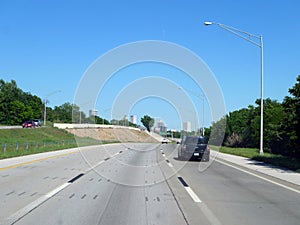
(113, 134)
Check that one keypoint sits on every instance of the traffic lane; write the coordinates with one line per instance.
(25, 183)
(195, 212)
(96, 197)
(237, 197)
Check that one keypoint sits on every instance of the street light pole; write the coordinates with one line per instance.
(247, 36)
(45, 110)
(203, 116)
(261, 149)
(45, 104)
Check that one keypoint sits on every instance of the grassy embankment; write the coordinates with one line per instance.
(18, 142)
(276, 160)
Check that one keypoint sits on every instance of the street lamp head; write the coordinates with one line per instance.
(207, 23)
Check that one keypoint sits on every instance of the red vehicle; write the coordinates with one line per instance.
(28, 124)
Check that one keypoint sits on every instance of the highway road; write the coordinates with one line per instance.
(139, 184)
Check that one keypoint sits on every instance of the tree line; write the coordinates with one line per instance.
(281, 125)
(17, 106)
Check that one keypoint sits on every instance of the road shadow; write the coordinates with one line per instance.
(189, 160)
(266, 165)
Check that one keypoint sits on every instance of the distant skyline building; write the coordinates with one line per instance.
(156, 130)
(186, 126)
(133, 119)
(161, 127)
(93, 112)
(160, 123)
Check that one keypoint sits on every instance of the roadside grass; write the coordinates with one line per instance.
(252, 153)
(19, 142)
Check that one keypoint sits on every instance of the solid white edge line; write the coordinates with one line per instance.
(193, 195)
(263, 178)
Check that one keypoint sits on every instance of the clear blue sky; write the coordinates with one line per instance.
(47, 46)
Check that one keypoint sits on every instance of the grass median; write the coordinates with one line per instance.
(253, 153)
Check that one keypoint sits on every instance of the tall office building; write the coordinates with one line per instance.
(133, 119)
(93, 112)
(186, 126)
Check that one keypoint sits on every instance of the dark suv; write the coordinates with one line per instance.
(194, 147)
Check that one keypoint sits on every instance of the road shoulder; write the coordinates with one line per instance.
(260, 167)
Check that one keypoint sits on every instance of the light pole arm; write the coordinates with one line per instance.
(247, 36)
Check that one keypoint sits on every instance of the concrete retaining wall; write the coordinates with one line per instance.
(87, 125)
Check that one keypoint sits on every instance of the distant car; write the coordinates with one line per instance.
(194, 147)
(37, 122)
(28, 124)
(165, 141)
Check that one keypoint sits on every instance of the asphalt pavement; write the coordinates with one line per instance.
(133, 183)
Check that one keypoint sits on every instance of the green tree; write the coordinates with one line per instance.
(238, 127)
(16, 105)
(63, 113)
(273, 114)
(77, 115)
(217, 132)
(148, 122)
(290, 130)
(273, 118)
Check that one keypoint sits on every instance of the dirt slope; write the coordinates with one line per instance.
(113, 134)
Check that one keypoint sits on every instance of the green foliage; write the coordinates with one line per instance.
(69, 113)
(63, 113)
(281, 125)
(240, 127)
(273, 121)
(175, 134)
(290, 130)
(148, 122)
(96, 120)
(243, 126)
(17, 106)
(217, 132)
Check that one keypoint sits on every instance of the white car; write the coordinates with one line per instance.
(165, 141)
